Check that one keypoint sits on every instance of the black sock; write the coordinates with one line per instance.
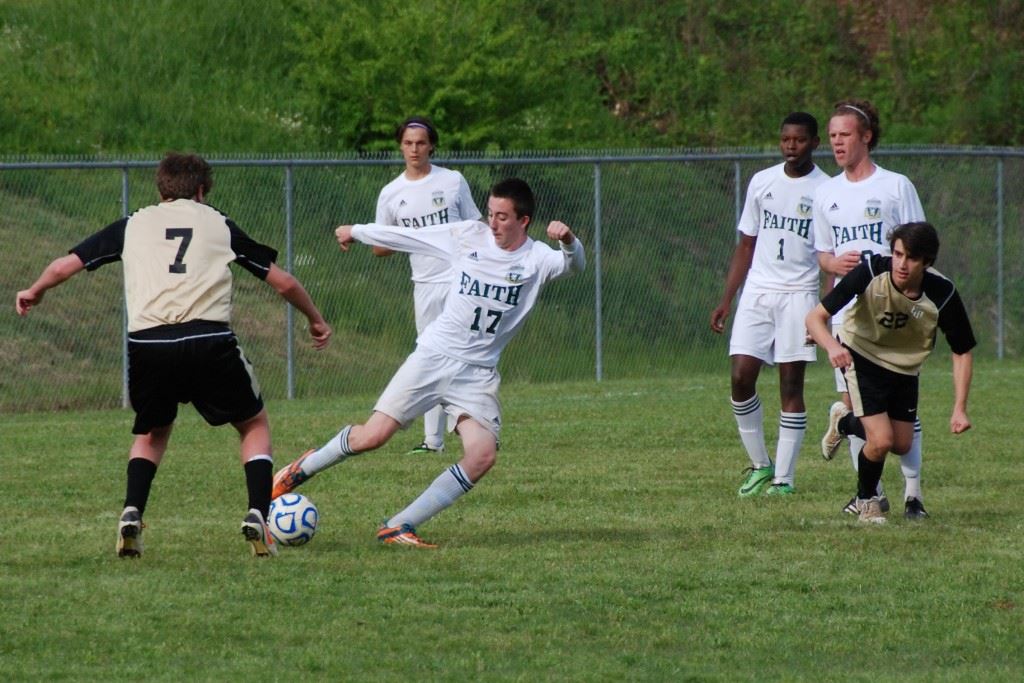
(140, 479)
(869, 473)
(851, 425)
(259, 479)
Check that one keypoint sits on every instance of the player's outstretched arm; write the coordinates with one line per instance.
(963, 369)
(294, 293)
(57, 272)
(739, 266)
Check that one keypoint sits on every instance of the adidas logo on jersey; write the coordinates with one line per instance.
(401, 203)
(474, 257)
(768, 196)
(834, 207)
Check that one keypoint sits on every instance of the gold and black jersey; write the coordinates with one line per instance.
(892, 330)
(176, 256)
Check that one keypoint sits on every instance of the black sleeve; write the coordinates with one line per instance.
(103, 247)
(955, 324)
(250, 254)
(854, 282)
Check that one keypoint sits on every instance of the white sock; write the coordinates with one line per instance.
(910, 463)
(434, 422)
(331, 453)
(750, 420)
(449, 486)
(792, 427)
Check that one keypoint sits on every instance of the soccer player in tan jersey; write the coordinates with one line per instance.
(886, 336)
(177, 286)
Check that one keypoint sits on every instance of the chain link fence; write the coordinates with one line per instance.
(659, 230)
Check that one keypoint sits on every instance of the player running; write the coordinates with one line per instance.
(898, 303)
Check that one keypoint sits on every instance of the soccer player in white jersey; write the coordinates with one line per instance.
(776, 262)
(899, 303)
(421, 196)
(854, 212)
(498, 274)
(177, 287)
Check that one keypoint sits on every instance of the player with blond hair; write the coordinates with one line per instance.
(854, 212)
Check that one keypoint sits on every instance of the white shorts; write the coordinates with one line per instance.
(428, 298)
(840, 377)
(770, 326)
(428, 378)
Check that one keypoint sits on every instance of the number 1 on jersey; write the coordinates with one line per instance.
(490, 314)
(781, 257)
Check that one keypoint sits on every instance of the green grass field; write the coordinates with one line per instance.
(608, 544)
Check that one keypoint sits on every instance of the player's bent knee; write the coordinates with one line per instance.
(901, 448)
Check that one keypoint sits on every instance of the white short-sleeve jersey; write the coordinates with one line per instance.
(492, 290)
(858, 216)
(779, 213)
(440, 197)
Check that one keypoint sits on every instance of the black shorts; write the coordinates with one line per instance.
(875, 390)
(197, 362)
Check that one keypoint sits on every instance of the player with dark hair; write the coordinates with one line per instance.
(424, 195)
(853, 215)
(776, 262)
(177, 287)
(498, 273)
(898, 304)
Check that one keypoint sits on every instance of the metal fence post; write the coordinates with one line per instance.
(999, 258)
(598, 332)
(289, 264)
(738, 196)
(124, 304)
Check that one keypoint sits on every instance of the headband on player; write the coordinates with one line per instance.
(856, 109)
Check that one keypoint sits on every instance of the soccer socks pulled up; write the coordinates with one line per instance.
(331, 453)
(750, 421)
(792, 427)
(449, 486)
(140, 480)
(910, 464)
(259, 479)
(869, 473)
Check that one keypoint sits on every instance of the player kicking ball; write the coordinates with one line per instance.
(886, 336)
(498, 274)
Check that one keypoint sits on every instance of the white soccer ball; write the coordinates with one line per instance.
(293, 519)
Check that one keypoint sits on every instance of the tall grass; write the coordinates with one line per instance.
(607, 544)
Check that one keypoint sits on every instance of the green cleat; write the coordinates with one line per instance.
(780, 489)
(424, 449)
(757, 481)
